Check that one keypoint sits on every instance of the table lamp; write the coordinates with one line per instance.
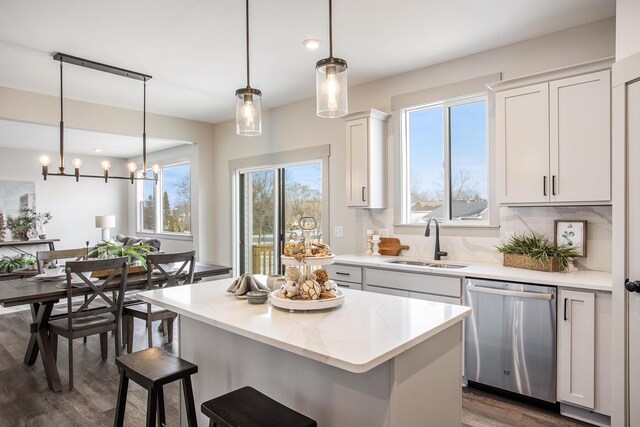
(106, 223)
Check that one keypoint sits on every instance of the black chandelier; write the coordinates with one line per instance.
(45, 161)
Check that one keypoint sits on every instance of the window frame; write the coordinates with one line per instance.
(446, 105)
(158, 208)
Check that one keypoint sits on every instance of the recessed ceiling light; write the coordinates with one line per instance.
(96, 150)
(311, 44)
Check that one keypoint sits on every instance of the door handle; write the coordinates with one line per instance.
(632, 286)
(544, 185)
(508, 293)
(565, 309)
(363, 193)
(553, 185)
(340, 273)
(343, 285)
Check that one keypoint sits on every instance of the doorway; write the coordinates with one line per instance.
(271, 201)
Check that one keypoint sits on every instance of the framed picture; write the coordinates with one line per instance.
(571, 233)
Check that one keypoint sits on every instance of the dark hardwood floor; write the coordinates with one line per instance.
(25, 399)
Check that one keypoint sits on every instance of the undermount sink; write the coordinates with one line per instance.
(426, 264)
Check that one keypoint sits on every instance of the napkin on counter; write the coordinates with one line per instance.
(244, 284)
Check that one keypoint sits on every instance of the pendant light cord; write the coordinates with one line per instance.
(61, 168)
(144, 128)
(330, 30)
(247, 24)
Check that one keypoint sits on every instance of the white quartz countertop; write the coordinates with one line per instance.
(583, 279)
(367, 330)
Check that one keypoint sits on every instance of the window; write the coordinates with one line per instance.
(166, 208)
(446, 162)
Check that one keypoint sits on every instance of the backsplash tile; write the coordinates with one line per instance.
(512, 220)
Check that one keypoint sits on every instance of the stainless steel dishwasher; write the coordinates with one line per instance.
(510, 338)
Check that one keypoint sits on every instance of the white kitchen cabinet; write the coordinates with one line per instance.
(366, 165)
(387, 291)
(554, 141)
(522, 130)
(580, 128)
(584, 351)
(431, 287)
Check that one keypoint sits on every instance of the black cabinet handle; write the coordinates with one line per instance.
(340, 273)
(343, 285)
(363, 193)
(553, 185)
(565, 308)
(544, 185)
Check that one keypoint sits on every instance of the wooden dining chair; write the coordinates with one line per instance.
(63, 254)
(185, 262)
(84, 320)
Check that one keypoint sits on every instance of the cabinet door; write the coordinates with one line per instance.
(435, 298)
(522, 130)
(576, 348)
(386, 291)
(357, 162)
(580, 136)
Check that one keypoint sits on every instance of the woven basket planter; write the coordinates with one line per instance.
(524, 261)
(103, 274)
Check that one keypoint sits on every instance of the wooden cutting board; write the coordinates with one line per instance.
(391, 246)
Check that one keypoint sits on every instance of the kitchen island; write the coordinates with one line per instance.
(377, 360)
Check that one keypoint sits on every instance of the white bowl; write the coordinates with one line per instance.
(54, 272)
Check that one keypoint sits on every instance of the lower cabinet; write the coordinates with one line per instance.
(584, 350)
(345, 276)
(387, 291)
(430, 287)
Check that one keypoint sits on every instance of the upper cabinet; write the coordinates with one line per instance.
(554, 141)
(366, 168)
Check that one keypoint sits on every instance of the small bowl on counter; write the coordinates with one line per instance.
(257, 297)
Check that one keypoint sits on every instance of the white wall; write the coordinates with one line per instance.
(296, 125)
(627, 28)
(74, 205)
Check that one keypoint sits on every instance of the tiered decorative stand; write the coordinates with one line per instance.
(303, 305)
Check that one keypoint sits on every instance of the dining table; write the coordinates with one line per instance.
(41, 296)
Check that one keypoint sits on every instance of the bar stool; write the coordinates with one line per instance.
(152, 369)
(247, 407)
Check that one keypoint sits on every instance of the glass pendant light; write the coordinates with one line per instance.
(248, 101)
(331, 81)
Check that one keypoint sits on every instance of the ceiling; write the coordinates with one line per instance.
(194, 49)
(44, 138)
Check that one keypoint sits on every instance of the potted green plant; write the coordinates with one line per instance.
(9, 264)
(534, 251)
(29, 220)
(136, 255)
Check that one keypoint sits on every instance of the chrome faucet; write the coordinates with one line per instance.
(438, 253)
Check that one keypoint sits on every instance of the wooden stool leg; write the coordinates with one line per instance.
(122, 399)
(161, 414)
(152, 407)
(192, 420)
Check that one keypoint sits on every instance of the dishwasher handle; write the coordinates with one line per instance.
(509, 293)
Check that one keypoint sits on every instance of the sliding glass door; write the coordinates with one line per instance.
(271, 202)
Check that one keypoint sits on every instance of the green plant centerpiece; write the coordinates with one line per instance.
(534, 251)
(136, 254)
